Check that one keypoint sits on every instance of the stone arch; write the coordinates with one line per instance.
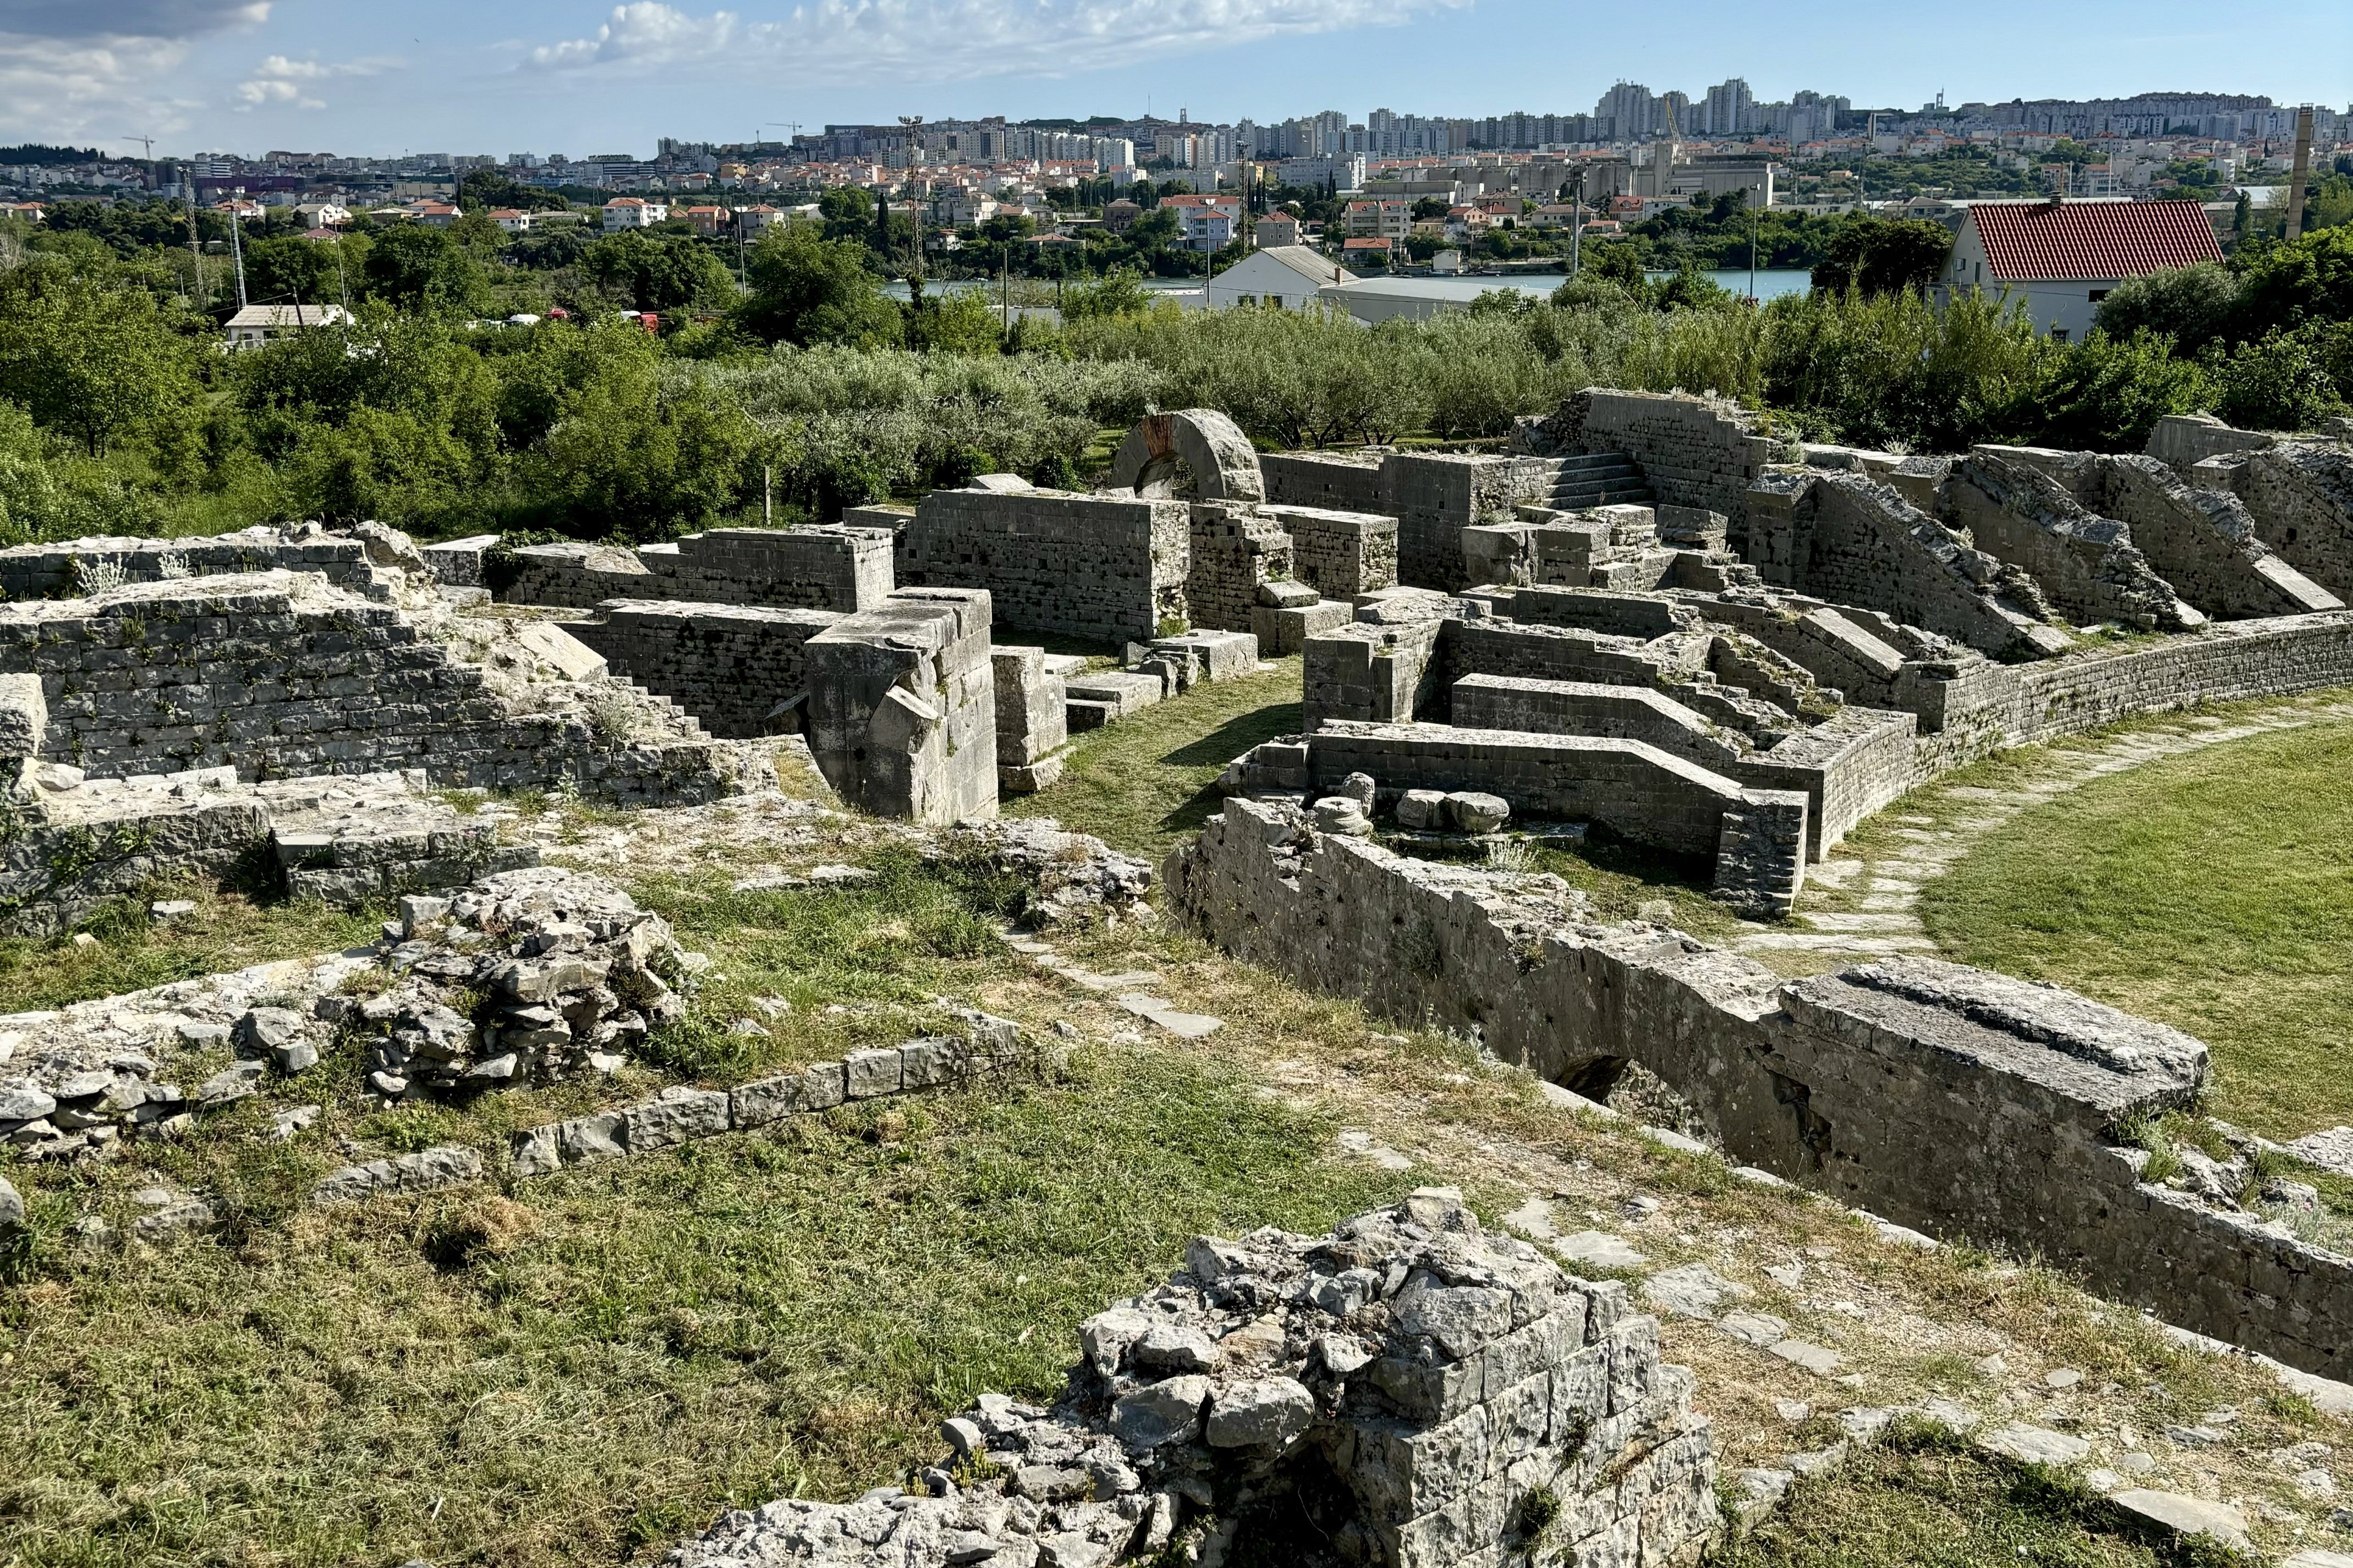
(1201, 442)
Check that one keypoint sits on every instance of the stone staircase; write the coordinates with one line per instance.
(1600, 479)
(689, 727)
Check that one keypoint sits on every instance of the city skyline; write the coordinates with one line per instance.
(243, 75)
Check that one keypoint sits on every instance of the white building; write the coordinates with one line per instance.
(257, 325)
(633, 212)
(2062, 258)
(1290, 276)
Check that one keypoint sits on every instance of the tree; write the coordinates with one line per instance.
(427, 270)
(2193, 306)
(1881, 255)
(89, 355)
(2107, 392)
(483, 189)
(848, 212)
(657, 272)
(1428, 208)
(806, 289)
(2285, 285)
(311, 271)
(2278, 382)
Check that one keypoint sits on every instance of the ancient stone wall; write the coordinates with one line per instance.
(1235, 552)
(1696, 452)
(1847, 539)
(1108, 568)
(1192, 454)
(1339, 481)
(281, 674)
(839, 569)
(2300, 494)
(46, 571)
(1406, 1392)
(1435, 495)
(902, 706)
(1841, 1082)
(1339, 554)
(2182, 440)
(1847, 767)
(2204, 541)
(730, 666)
(2089, 567)
(1629, 788)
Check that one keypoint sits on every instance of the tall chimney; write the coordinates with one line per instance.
(2303, 171)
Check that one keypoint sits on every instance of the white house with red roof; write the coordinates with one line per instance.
(2062, 257)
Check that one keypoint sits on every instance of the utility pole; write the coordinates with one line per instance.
(236, 247)
(196, 244)
(2301, 173)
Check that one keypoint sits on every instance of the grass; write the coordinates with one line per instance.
(2209, 890)
(1147, 783)
(1923, 1500)
(589, 1369)
(229, 930)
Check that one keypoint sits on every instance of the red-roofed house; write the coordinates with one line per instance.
(2062, 257)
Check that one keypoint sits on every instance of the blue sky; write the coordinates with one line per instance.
(580, 77)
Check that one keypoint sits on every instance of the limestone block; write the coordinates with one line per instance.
(23, 716)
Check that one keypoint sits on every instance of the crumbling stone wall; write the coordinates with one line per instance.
(1107, 568)
(1235, 552)
(1406, 1392)
(1701, 452)
(1844, 538)
(2088, 565)
(739, 669)
(1339, 481)
(902, 706)
(1434, 496)
(2203, 541)
(47, 571)
(831, 568)
(1339, 554)
(2181, 441)
(2300, 494)
(1839, 1082)
(281, 674)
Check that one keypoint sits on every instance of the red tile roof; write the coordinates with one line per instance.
(2036, 242)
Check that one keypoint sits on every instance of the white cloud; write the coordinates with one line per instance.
(102, 68)
(951, 39)
(102, 90)
(280, 80)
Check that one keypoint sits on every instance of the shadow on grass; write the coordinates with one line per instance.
(1237, 735)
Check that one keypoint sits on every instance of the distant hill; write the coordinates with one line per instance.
(41, 153)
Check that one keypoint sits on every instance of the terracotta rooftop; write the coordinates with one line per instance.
(2037, 242)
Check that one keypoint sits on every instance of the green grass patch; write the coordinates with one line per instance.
(1147, 783)
(593, 1367)
(1923, 1500)
(2210, 891)
(228, 931)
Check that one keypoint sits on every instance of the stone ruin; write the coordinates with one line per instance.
(286, 703)
(1774, 641)
(1948, 1100)
(1406, 1392)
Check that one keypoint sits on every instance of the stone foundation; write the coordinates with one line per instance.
(1945, 1099)
(1106, 568)
(843, 569)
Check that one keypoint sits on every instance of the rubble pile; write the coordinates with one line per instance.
(1406, 1392)
(1078, 880)
(524, 976)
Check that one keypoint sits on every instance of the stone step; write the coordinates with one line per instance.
(1632, 490)
(1587, 460)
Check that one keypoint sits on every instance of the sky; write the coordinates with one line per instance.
(581, 78)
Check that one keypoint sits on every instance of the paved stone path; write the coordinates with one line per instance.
(1886, 918)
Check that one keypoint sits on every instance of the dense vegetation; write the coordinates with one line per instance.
(808, 384)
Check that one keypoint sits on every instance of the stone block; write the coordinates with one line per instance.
(679, 1116)
(873, 1073)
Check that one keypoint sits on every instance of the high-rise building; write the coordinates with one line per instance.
(1730, 110)
(1627, 112)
